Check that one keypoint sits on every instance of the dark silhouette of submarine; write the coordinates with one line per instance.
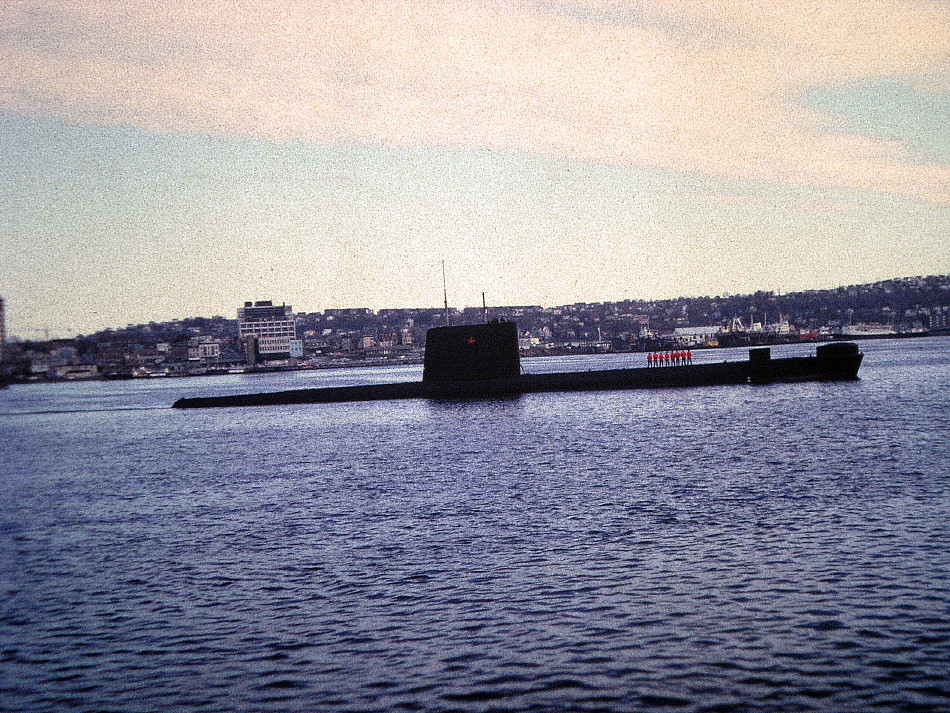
(481, 360)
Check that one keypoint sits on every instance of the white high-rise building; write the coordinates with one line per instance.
(273, 326)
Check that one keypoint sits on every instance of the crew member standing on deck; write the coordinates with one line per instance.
(650, 359)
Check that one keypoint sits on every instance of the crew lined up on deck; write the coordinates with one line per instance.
(670, 358)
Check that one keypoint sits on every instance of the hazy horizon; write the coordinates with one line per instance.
(172, 160)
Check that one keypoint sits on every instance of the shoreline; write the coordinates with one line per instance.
(527, 354)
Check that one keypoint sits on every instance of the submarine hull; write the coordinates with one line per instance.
(833, 362)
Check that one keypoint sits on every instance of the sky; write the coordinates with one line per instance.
(160, 160)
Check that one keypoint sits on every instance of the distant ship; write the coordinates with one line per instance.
(482, 360)
(867, 331)
(877, 331)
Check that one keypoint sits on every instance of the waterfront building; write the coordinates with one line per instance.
(204, 349)
(526, 340)
(74, 372)
(272, 326)
(694, 336)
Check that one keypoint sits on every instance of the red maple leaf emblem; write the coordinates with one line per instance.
(471, 340)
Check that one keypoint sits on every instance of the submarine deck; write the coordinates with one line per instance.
(739, 372)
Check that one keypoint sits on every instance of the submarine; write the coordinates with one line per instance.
(482, 361)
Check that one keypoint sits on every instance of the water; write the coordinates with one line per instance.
(771, 548)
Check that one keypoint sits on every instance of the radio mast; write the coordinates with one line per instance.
(445, 295)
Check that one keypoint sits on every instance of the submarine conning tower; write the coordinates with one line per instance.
(472, 352)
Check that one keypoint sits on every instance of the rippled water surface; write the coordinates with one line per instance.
(769, 548)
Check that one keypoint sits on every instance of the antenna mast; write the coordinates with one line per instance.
(445, 295)
(484, 310)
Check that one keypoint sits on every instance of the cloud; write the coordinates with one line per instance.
(789, 200)
(701, 87)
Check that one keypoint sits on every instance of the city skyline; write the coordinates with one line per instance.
(467, 313)
(161, 162)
